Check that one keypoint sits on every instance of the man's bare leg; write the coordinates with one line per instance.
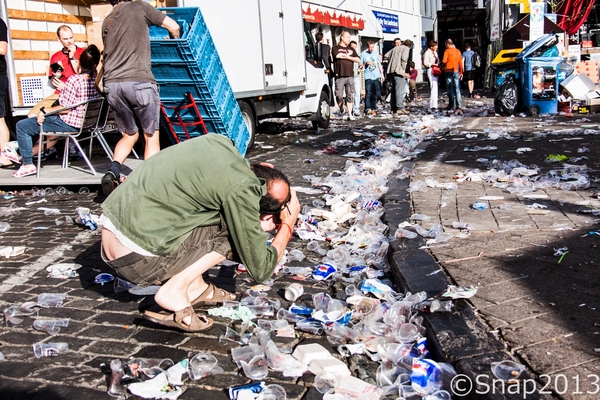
(124, 146)
(152, 144)
(174, 295)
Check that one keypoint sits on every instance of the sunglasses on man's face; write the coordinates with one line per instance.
(280, 209)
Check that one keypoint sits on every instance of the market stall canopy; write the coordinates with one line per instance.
(519, 33)
(357, 16)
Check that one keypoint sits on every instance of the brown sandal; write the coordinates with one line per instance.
(175, 320)
(218, 295)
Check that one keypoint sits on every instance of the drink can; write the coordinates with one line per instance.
(324, 271)
(240, 391)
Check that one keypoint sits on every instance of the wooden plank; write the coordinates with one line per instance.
(48, 17)
(38, 35)
(31, 55)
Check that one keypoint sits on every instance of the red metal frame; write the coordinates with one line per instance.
(191, 103)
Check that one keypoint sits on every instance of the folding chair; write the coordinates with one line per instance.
(104, 125)
(91, 115)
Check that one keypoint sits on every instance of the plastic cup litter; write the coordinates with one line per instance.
(293, 291)
(49, 349)
(201, 364)
(50, 326)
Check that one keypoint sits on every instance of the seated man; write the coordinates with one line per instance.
(188, 208)
(63, 64)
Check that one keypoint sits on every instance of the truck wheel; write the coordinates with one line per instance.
(323, 113)
(248, 116)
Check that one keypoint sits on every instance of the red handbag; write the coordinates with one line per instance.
(435, 70)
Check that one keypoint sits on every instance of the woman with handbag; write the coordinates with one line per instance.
(431, 62)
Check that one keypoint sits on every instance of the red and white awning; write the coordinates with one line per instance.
(330, 16)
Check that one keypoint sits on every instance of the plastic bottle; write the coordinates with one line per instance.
(435, 230)
(462, 225)
(405, 233)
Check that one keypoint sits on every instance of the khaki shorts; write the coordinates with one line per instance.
(134, 102)
(145, 271)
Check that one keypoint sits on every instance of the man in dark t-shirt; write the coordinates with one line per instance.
(344, 58)
(129, 84)
(4, 133)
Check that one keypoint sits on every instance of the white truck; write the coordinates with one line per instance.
(268, 54)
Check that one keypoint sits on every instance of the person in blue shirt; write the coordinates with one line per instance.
(469, 75)
(371, 62)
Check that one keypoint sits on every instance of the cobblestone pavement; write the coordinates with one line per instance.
(528, 307)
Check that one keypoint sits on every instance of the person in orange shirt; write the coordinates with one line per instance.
(453, 72)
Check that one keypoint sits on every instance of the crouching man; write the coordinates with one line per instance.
(185, 210)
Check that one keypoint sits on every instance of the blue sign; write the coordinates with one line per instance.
(389, 22)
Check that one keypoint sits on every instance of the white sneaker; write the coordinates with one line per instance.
(351, 118)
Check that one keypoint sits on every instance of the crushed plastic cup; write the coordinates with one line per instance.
(295, 255)
(289, 316)
(257, 368)
(272, 392)
(49, 349)
(507, 370)
(121, 285)
(84, 190)
(326, 381)
(231, 304)
(4, 226)
(114, 385)
(50, 326)
(51, 299)
(407, 333)
(103, 278)
(316, 248)
(233, 336)
(201, 365)
(245, 353)
(321, 301)
(293, 291)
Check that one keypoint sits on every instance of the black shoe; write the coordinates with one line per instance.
(74, 154)
(48, 154)
(109, 183)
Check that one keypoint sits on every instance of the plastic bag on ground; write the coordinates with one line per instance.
(507, 98)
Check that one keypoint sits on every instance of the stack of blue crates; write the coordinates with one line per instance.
(191, 64)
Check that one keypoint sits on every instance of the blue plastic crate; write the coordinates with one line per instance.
(192, 65)
(194, 41)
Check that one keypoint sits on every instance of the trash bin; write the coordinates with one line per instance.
(504, 64)
(538, 70)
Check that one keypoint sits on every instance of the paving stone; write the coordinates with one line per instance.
(526, 333)
(83, 304)
(75, 343)
(21, 337)
(157, 351)
(169, 338)
(63, 312)
(108, 332)
(69, 375)
(120, 319)
(225, 380)
(556, 355)
(115, 349)
(60, 392)
(503, 291)
(14, 369)
(201, 344)
(17, 389)
(194, 393)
